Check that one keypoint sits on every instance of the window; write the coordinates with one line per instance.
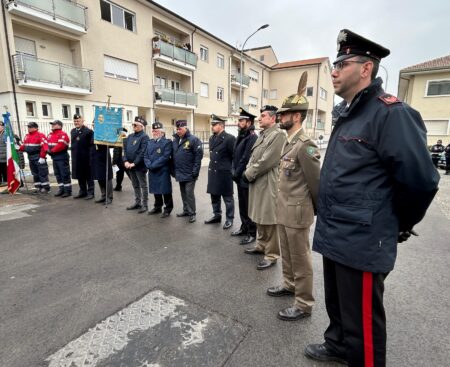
(265, 93)
(437, 127)
(253, 101)
(79, 110)
(175, 84)
(120, 69)
(161, 82)
(273, 94)
(261, 58)
(117, 15)
(220, 91)
(46, 110)
(204, 90)
(220, 61)
(323, 94)
(66, 111)
(309, 91)
(253, 74)
(25, 46)
(438, 88)
(309, 117)
(203, 53)
(31, 108)
(129, 115)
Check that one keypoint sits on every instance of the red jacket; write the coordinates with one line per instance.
(35, 144)
(58, 142)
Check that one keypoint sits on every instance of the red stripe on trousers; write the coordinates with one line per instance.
(367, 318)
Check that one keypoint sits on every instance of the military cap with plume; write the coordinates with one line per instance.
(298, 101)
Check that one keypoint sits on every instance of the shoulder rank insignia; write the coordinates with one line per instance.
(311, 151)
(389, 99)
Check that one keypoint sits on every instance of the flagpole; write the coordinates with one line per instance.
(108, 104)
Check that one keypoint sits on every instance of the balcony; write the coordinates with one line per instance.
(31, 72)
(174, 55)
(174, 98)
(62, 14)
(236, 81)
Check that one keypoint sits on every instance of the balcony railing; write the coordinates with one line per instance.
(174, 53)
(51, 75)
(175, 97)
(64, 10)
(236, 78)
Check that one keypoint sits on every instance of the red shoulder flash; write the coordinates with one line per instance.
(389, 99)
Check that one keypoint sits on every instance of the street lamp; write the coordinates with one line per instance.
(242, 50)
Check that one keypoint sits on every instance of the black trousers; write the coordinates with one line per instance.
(86, 184)
(3, 172)
(354, 303)
(161, 199)
(40, 174)
(61, 168)
(188, 197)
(103, 184)
(247, 226)
(447, 163)
(217, 207)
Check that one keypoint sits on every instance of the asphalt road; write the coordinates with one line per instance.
(67, 265)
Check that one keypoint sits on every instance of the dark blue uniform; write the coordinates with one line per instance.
(100, 163)
(157, 159)
(447, 159)
(81, 146)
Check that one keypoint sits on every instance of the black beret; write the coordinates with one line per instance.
(141, 120)
(181, 123)
(77, 116)
(268, 107)
(157, 125)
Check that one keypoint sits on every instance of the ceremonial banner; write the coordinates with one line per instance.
(108, 126)
(12, 158)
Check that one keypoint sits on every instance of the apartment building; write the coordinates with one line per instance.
(62, 57)
(426, 87)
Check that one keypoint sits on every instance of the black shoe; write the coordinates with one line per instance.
(292, 314)
(192, 218)
(80, 196)
(89, 197)
(134, 207)
(184, 214)
(118, 188)
(44, 191)
(265, 264)
(98, 201)
(279, 291)
(59, 193)
(214, 219)
(66, 195)
(320, 352)
(109, 201)
(238, 232)
(247, 240)
(253, 251)
(143, 210)
(165, 214)
(154, 211)
(228, 224)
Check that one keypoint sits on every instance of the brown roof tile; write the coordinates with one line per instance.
(292, 64)
(439, 63)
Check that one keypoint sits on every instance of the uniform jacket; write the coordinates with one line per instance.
(242, 153)
(221, 148)
(377, 179)
(2, 148)
(262, 172)
(437, 149)
(134, 149)
(58, 143)
(187, 156)
(157, 159)
(99, 162)
(82, 144)
(447, 151)
(118, 155)
(299, 182)
(35, 145)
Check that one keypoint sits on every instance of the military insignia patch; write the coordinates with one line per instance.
(342, 37)
(158, 150)
(311, 151)
(78, 138)
(134, 142)
(389, 99)
(187, 145)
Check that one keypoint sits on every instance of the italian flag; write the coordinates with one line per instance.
(12, 158)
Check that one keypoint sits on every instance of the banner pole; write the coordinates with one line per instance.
(108, 104)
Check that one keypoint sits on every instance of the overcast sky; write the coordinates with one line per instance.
(415, 31)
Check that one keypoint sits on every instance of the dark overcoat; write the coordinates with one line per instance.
(99, 162)
(242, 153)
(81, 145)
(221, 148)
(157, 158)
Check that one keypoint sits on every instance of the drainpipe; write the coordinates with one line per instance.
(317, 101)
(13, 82)
(192, 79)
(230, 106)
(262, 88)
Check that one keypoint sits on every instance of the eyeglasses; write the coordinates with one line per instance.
(338, 66)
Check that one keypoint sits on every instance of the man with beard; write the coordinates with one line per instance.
(82, 143)
(220, 182)
(376, 183)
(242, 153)
(262, 175)
(296, 203)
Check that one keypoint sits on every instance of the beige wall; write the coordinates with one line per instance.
(270, 58)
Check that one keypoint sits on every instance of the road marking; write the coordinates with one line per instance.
(15, 211)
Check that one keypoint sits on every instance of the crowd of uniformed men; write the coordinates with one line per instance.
(376, 183)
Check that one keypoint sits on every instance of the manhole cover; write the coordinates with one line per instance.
(158, 330)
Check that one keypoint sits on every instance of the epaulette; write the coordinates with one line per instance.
(304, 137)
(389, 99)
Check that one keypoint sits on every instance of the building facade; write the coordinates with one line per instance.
(65, 57)
(426, 87)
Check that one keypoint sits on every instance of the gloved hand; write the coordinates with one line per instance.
(41, 160)
(404, 235)
(195, 176)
